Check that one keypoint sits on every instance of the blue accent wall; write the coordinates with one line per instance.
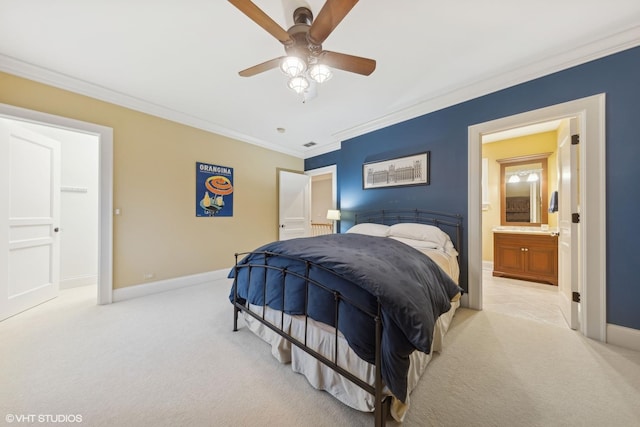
(444, 134)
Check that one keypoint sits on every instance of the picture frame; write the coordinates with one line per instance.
(397, 172)
(214, 190)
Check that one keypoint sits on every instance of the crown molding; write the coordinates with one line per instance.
(535, 68)
(323, 149)
(42, 75)
(520, 73)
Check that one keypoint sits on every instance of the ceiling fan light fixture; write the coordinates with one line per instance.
(299, 84)
(533, 177)
(513, 179)
(320, 73)
(293, 66)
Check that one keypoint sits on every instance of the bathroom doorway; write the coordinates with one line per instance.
(520, 172)
(591, 259)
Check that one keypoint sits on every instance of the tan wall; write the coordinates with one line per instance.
(154, 186)
(321, 198)
(532, 144)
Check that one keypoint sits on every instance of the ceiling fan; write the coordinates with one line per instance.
(305, 57)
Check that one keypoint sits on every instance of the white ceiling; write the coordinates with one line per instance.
(180, 59)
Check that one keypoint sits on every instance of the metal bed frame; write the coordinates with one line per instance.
(387, 217)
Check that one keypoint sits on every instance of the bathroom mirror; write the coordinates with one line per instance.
(523, 190)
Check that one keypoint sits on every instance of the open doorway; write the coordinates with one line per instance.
(592, 247)
(103, 138)
(323, 198)
(79, 193)
(520, 246)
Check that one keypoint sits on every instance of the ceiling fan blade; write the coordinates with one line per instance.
(257, 69)
(259, 17)
(328, 19)
(342, 61)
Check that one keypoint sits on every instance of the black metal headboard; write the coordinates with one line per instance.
(449, 223)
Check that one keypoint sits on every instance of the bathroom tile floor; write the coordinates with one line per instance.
(530, 300)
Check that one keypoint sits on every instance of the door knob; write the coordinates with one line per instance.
(56, 229)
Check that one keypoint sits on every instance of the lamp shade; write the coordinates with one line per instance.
(532, 177)
(292, 66)
(320, 73)
(333, 215)
(299, 84)
(514, 178)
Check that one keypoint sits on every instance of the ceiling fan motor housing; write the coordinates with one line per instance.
(302, 47)
(302, 15)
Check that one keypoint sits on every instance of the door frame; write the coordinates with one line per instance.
(333, 170)
(105, 185)
(592, 256)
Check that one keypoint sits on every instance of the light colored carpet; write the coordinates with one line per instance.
(172, 359)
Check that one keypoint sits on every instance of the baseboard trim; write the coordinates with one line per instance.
(487, 265)
(464, 300)
(74, 282)
(144, 289)
(623, 336)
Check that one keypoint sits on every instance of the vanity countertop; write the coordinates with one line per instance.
(525, 230)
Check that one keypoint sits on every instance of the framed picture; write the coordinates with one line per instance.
(214, 190)
(401, 171)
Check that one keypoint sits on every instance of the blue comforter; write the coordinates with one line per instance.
(413, 290)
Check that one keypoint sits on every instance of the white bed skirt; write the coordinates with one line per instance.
(321, 338)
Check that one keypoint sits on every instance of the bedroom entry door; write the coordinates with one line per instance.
(568, 204)
(29, 218)
(294, 206)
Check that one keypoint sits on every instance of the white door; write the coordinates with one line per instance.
(294, 209)
(568, 204)
(29, 218)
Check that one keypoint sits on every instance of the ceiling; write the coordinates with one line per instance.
(180, 60)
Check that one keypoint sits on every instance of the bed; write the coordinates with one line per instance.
(358, 314)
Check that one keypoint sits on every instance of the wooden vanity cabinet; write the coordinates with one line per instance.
(531, 257)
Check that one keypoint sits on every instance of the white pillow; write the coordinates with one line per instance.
(416, 244)
(425, 232)
(370, 229)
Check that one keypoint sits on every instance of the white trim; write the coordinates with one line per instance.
(322, 149)
(105, 177)
(623, 337)
(485, 184)
(535, 67)
(333, 170)
(77, 281)
(52, 78)
(487, 266)
(591, 114)
(150, 288)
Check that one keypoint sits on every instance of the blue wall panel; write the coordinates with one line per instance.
(444, 134)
